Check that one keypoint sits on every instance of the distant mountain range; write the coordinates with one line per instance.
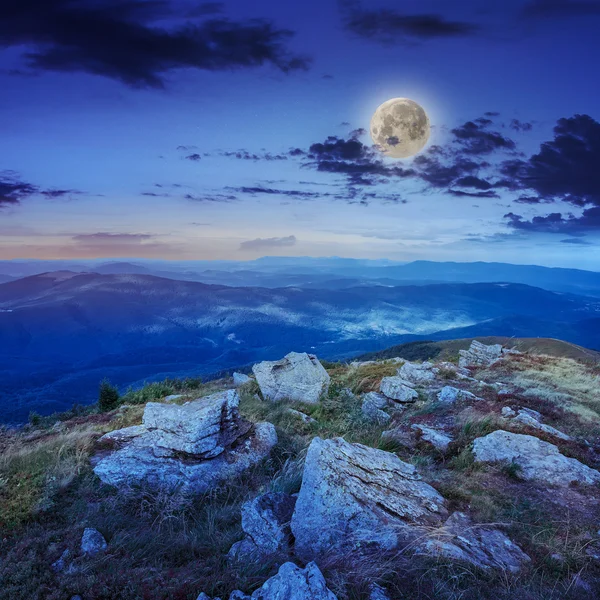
(324, 273)
(62, 332)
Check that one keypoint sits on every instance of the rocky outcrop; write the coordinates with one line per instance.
(195, 446)
(298, 376)
(291, 583)
(92, 542)
(354, 497)
(480, 355)
(372, 408)
(451, 395)
(438, 439)
(481, 546)
(266, 523)
(536, 460)
(397, 389)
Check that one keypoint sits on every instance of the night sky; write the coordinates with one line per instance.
(188, 130)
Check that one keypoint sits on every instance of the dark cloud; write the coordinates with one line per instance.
(111, 238)
(560, 9)
(576, 242)
(565, 168)
(266, 243)
(13, 190)
(266, 156)
(204, 197)
(387, 25)
(260, 190)
(491, 114)
(195, 157)
(587, 222)
(461, 194)
(476, 138)
(123, 40)
(520, 125)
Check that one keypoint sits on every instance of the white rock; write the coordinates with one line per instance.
(292, 583)
(298, 376)
(397, 389)
(450, 395)
(140, 461)
(266, 523)
(92, 542)
(372, 407)
(203, 427)
(353, 496)
(376, 592)
(538, 460)
(438, 439)
(240, 379)
(482, 546)
(121, 436)
(508, 412)
(480, 355)
(526, 418)
(417, 372)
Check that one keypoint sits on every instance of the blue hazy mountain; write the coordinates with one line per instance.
(62, 332)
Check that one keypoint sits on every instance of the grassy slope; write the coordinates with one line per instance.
(168, 546)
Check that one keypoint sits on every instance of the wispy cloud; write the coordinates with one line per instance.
(269, 243)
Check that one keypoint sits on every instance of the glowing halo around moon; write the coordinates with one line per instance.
(400, 128)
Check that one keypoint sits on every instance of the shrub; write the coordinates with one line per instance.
(35, 418)
(108, 397)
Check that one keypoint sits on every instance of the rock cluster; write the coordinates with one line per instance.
(298, 376)
(536, 460)
(194, 446)
(353, 496)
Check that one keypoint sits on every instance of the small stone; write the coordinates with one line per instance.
(240, 379)
(61, 564)
(397, 389)
(508, 412)
(526, 418)
(92, 542)
(450, 395)
(372, 407)
(378, 593)
(438, 439)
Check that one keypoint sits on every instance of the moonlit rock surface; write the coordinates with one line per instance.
(450, 395)
(372, 407)
(438, 439)
(92, 542)
(526, 418)
(299, 376)
(400, 128)
(292, 583)
(538, 460)
(240, 379)
(397, 389)
(480, 355)
(417, 373)
(484, 547)
(353, 496)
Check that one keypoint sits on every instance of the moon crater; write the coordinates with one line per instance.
(400, 128)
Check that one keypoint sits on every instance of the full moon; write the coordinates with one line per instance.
(400, 128)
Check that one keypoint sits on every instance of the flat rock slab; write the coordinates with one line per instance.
(480, 355)
(122, 436)
(451, 395)
(139, 462)
(484, 547)
(240, 379)
(298, 376)
(353, 496)
(398, 389)
(537, 460)
(418, 373)
(526, 418)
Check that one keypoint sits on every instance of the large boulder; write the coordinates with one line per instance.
(298, 376)
(203, 427)
(397, 389)
(195, 446)
(291, 583)
(482, 546)
(266, 523)
(353, 496)
(240, 379)
(480, 355)
(537, 460)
